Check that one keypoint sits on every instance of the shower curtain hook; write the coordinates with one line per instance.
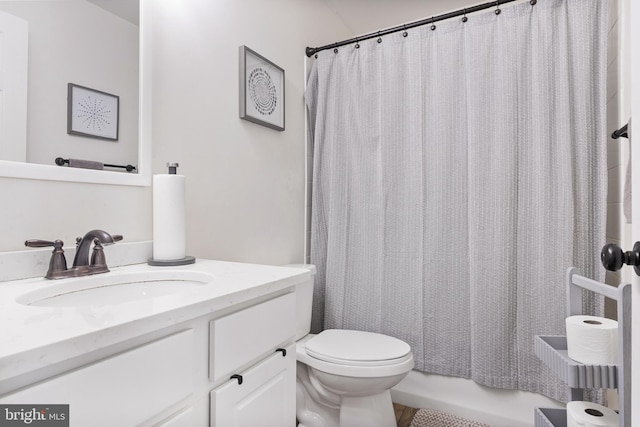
(379, 38)
(433, 26)
(498, 7)
(335, 48)
(464, 18)
(357, 43)
(405, 34)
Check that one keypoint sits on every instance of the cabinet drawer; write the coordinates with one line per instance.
(243, 337)
(266, 397)
(122, 390)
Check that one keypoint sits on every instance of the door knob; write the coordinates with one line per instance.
(613, 258)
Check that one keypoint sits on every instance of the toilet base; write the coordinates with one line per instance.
(312, 408)
(368, 411)
(360, 411)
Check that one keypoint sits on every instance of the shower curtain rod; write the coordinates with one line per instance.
(310, 51)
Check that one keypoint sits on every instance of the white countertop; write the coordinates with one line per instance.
(34, 337)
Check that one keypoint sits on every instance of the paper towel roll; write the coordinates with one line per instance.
(169, 242)
(587, 414)
(592, 340)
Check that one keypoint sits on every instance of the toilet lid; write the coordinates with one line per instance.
(348, 347)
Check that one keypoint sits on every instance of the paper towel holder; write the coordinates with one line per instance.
(613, 257)
(173, 168)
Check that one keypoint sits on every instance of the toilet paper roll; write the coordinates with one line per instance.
(169, 241)
(587, 414)
(592, 340)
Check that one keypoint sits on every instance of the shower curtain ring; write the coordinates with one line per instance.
(335, 48)
(405, 34)
(357, 46)
(464, 18)
(433, 26)
(498, 7)
(533, 2)
(379, 38)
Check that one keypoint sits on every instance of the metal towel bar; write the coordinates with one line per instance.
(61, 162)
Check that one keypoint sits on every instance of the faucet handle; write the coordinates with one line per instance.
(37, 243)
(58, 262)
(97, 255)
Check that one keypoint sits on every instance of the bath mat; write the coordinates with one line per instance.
(433, 418)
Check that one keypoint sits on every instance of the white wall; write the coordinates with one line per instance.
(381, 14)
(245, 182)
(78, 42)
(52, 210)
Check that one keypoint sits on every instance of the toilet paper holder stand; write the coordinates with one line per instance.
(622, 295)
(552, 351)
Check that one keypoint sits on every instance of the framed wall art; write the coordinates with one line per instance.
(92, 113)
(261, 90)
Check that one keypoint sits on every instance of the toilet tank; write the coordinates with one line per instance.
(304, 300)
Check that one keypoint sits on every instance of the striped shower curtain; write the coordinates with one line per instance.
(458, 172)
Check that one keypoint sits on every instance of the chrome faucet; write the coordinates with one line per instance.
(81, 264)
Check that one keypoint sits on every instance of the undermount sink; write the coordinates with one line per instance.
(114, 288)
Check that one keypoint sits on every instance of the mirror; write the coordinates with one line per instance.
(78, 42)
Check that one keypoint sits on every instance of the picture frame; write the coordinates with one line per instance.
(92, 113)
(261, 90)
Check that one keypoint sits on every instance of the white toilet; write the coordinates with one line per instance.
(344, 376)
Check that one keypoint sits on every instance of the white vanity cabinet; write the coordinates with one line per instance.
(233, 367)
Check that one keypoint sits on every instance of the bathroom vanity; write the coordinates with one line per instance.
(210, 343)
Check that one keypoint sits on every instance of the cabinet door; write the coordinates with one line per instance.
(122, 390)
(266, 397)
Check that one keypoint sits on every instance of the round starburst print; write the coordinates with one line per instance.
(262, 91)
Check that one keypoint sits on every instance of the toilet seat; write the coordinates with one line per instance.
(357, 348)
(350, 368)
